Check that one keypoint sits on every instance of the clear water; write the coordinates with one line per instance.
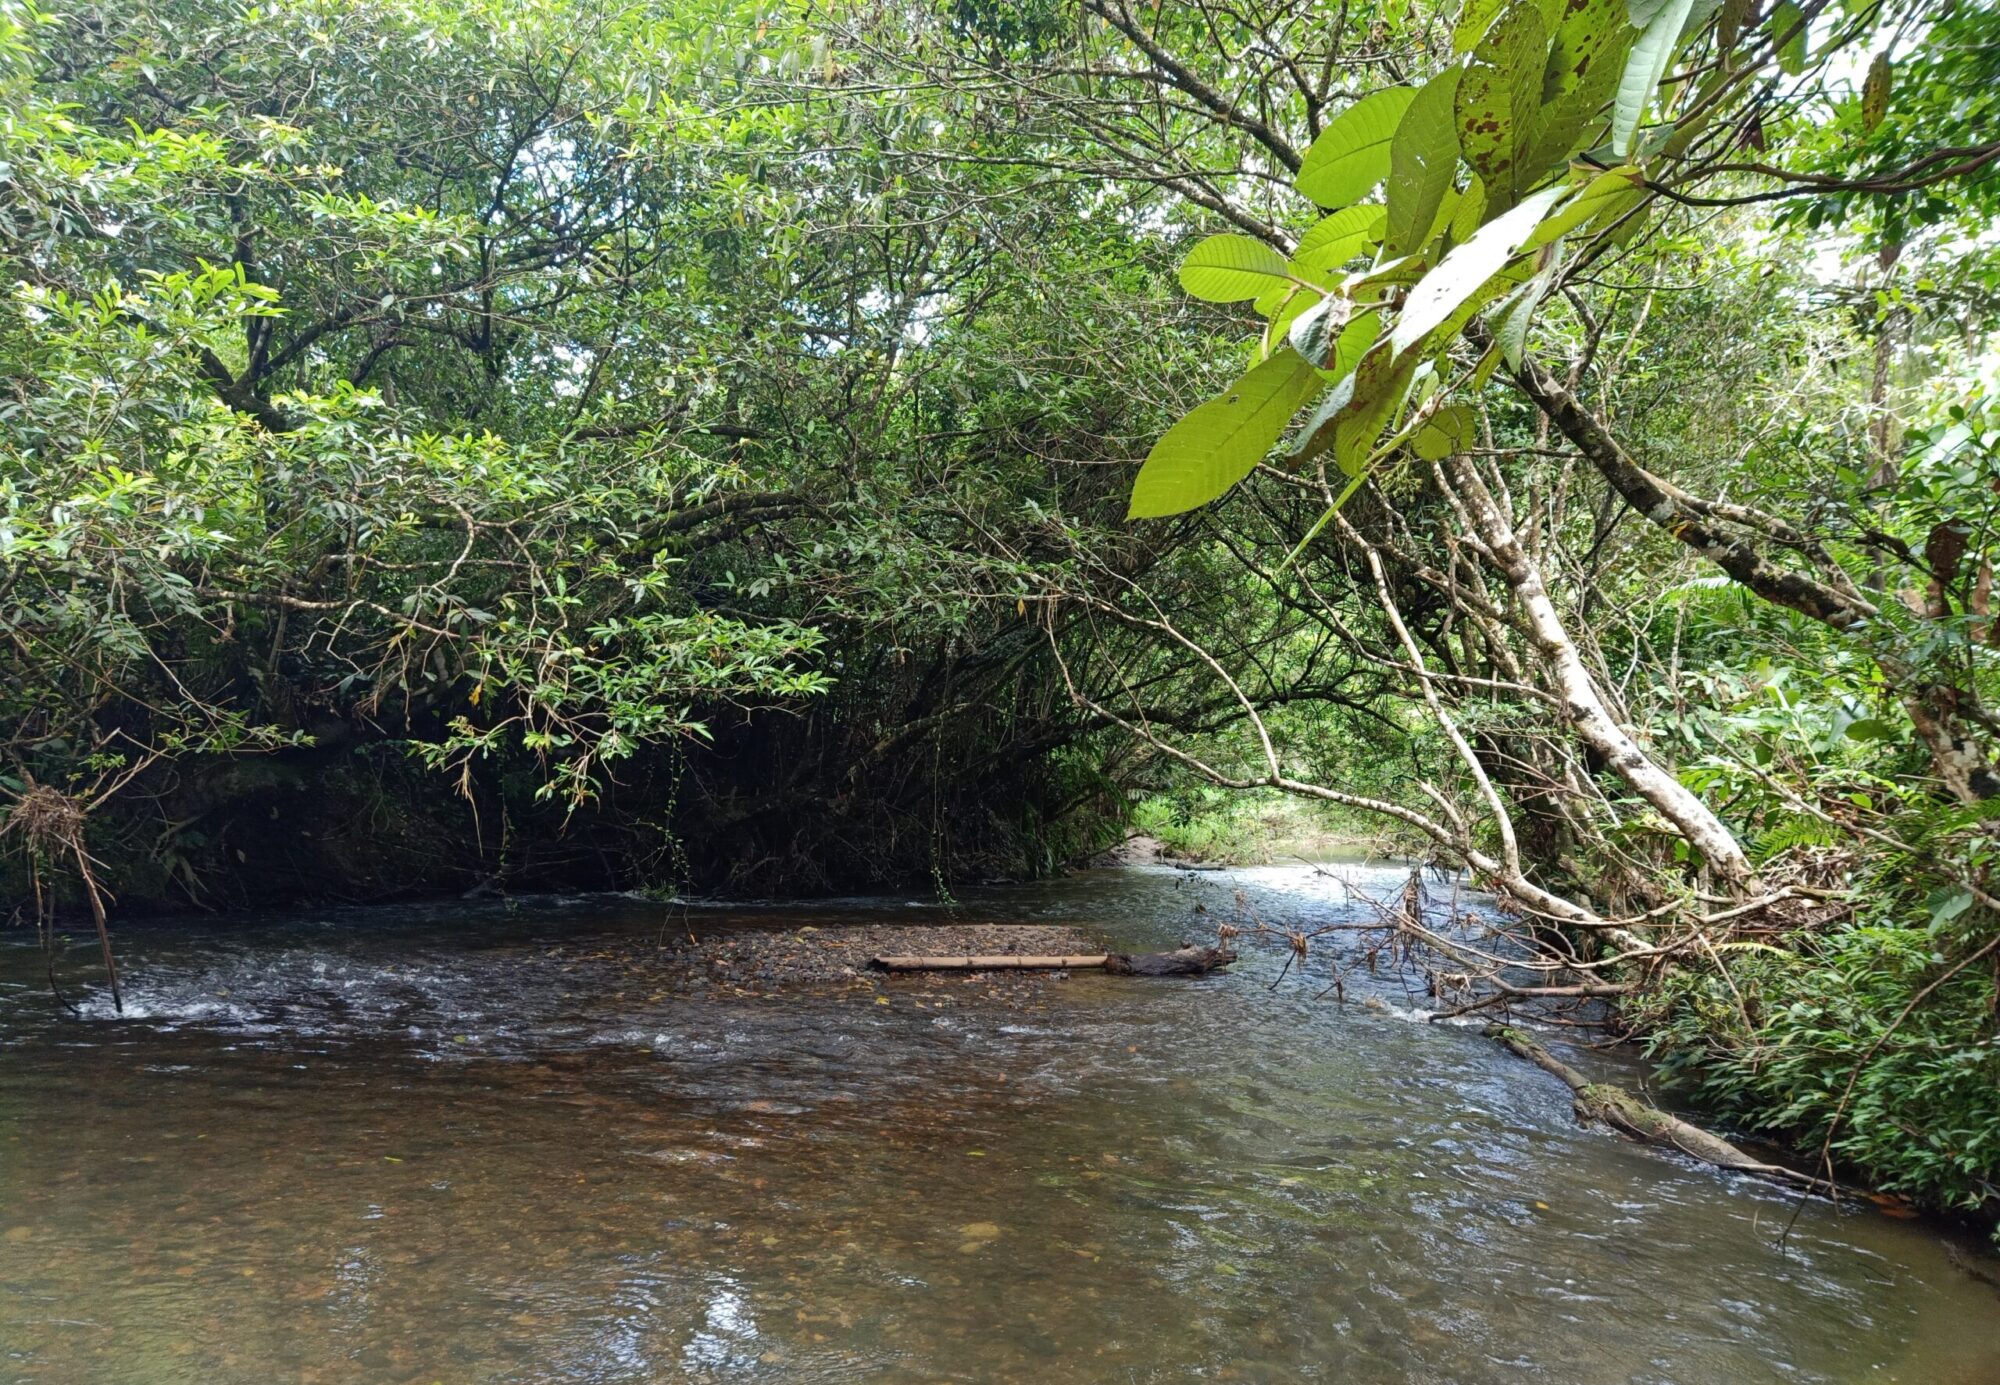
(482, 1143)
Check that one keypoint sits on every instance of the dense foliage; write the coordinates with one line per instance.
(787, 446)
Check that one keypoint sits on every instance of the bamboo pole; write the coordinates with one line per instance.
(1001, 962)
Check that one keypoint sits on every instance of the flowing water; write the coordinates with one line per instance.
(459, 1143)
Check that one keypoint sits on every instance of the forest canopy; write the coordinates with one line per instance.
(781, 447)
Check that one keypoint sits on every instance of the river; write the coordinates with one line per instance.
(456, 1143)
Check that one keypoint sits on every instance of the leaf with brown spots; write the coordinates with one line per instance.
(1499, 103)
(1582, 74)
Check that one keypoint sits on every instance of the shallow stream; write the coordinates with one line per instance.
(458, 1143)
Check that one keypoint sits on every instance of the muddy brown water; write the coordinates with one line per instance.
(458, 1143)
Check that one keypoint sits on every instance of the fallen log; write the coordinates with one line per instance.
(1619, 1109)
(1186, 961)
(995, 962)
(1182, 961)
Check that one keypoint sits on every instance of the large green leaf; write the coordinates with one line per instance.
(1422, 158)
(1349, 419)
(1317, 434)
(1361, 333)
(1334, 240)
(1466, 270)
(1517, 313)
(1221, 442)
(1351, 154)
(1499, 103)
(1470, 211)
(1651, 52)
(1584, 62)
(1301, 302)
(1232, 268)
(1313, 332)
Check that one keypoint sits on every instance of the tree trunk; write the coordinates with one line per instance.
(1961, 759)
(1588, 716)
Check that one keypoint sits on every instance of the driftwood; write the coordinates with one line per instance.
(1182, 961)
(1186, 961)
(1619, 1109)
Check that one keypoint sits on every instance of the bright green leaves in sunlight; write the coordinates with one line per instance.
(1334, 240)
(1219, 444)
(1233, 269)
(1351, 154)
(1520, 154)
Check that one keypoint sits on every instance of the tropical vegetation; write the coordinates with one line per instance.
(777, 447)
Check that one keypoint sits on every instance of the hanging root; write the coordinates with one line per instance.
(1619, 1109)
(50, 825)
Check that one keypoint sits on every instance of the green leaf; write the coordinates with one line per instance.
(1601, 193)
(1231, 268)
(1361, 333)
(1313, 332)
(1626, 223)
(1787, 26)
(1350, 418)
(1447, 431)
(1466, 270)
(1947, 903)
(1283, 297)
(1380, 385)
(1584, 62)
(1499, 102)
(1483, 372)
(1334, 240)
(1474, 19)
(1221, 442)
(1370, 285)
(1317, 434)
(1351, 154)
(1470, 212)
(1651, 53)
(1517, 315)
(1510, 330)
(1301, 302)
(1875, 93)
(1422, 158)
